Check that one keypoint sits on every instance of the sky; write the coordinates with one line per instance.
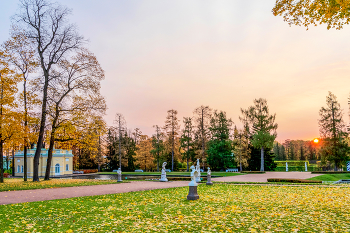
(161, 55)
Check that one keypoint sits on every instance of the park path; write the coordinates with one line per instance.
(265, 176)
(11, 197)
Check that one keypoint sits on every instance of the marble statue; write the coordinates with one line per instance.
(305, 167)
(209, 177)
(163, 175)
(193, 195)
(286, 166)
(119, 171)
(198, 168)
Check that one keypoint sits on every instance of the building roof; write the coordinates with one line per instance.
(44, 153)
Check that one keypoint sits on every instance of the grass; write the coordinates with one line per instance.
(332, 177)
(177, 173)
(227, 208)
(18, 184)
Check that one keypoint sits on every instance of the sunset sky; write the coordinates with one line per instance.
(160, 55)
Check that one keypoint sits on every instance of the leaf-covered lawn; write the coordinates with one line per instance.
(332, 177)
(18, 184)
(227, 208)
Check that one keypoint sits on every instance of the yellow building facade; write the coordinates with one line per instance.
(61, 164)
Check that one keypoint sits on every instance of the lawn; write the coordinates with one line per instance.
(177, 173)
(227, 208)
(332, 177)
(18, 184)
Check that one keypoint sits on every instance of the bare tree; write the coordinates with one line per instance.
(202, 122)
(120, 128)
(73, 93)
(158, 146)
(46, 24)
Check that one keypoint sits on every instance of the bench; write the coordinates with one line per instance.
(167, 170)
(140, 170)
(232, 170)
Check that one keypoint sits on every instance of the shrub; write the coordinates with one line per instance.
(293, 180)
(6, 175)
(86, 171)
(329, 172)
(259, 172)
(297, 168)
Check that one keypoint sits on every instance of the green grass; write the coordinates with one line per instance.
(18, 184)
(177, 173)
(220, 208)
(332, 177)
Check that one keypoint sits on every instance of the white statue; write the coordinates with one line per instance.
(194, 175)
(209, 172)
(163, 175)
(198, 168)
(119, 171)
(305, 167)
(209, 177)
(286, 166)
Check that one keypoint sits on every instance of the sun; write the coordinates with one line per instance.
(316, 140)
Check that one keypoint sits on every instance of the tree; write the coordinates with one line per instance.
(172, 128)
(46, 24)
(202, 123)
(144, 157)
(241, 147)
(74, 92)
(9, 120)
(261, 125)
(335, 148)
(22, 57)
(186, 140)
(158, 144)
(333, 13)
(121, 126)
(220, 147)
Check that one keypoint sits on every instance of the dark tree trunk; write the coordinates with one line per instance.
(13, 163)
(25, 169)
(1, 162)
(262, 160)
(49, 154)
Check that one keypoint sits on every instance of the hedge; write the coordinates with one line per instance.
(297, 168)
(293, 180)
(260, 172)
(292, 163)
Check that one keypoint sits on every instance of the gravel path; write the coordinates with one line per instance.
(11, 197)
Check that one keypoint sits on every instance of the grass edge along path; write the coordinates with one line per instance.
(13, 184)
(221, 174)
(230, 208)
(332, 177)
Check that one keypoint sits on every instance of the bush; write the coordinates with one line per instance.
(293, 180)
(86, 171)
(6, 175)
(297, 168)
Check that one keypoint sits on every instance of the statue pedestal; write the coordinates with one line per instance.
(120, 178)
(193, 195)
(209, 180)
(163, 178)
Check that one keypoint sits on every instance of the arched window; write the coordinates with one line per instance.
(67, 167)
(57, 169)
(18, 167)
(22, 169)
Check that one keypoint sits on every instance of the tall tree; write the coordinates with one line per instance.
(22, 57)
(158, 144)
(75, 90)
(241, 147)
(333, 13)
(335, 148)
(220, 147)
(262, 126)
(202, 118)
(144, 157)
(8, 118)
(172, 128)
(120, 128)
(46, 24)
(186, 140)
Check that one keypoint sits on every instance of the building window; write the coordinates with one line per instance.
(67, 159)
(67, 167)
(18, 171)
(22, 169)
(57, 169)
(18, 160)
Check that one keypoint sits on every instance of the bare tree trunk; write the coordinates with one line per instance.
(262, 160)
(25, 169)
(99, 154)
(13, 163)
(49, 154)
(120, 151)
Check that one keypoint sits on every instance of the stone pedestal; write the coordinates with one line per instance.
(120, 178)
(209, 180)
(192, 195)
(163, 178)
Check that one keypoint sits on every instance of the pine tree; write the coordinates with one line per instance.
(172, 128)
(186, 141)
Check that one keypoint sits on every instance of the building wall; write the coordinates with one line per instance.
(62, 158)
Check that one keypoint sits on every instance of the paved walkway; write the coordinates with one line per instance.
(265, 176)
(11, 197)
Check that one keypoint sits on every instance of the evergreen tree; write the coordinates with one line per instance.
(172, 130)
(186, 141)
(220, 147)
(261, 125)
(335, 148)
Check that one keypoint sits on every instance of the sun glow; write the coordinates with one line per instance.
(316, 140)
